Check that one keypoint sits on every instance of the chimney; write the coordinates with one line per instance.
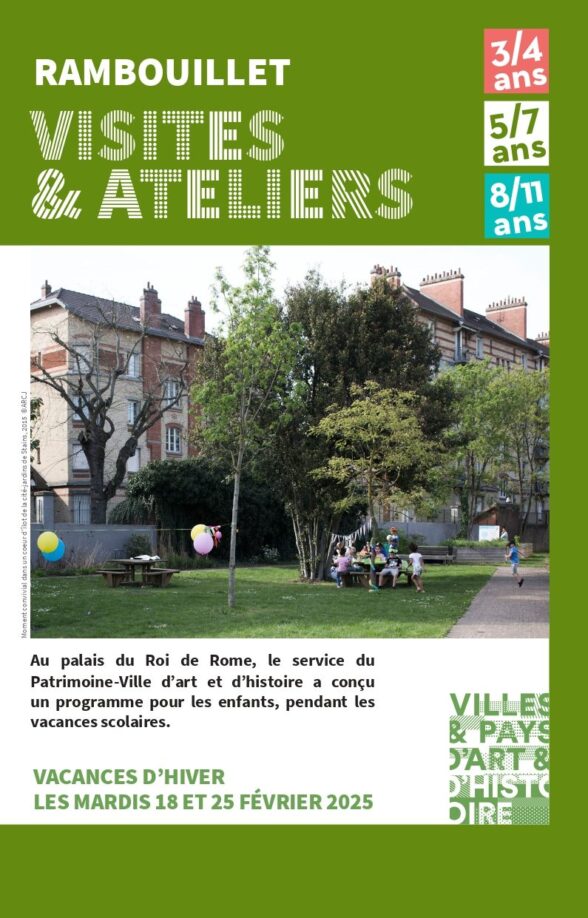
(511, 313)
(543, 339)
(45, 290)
(150, 307)
(445, 288)
(194, 319)
(391, 275)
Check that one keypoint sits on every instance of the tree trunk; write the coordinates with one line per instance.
(324, 547)
(371, 511)
(95, 454)
(234, 519)
(299, 544)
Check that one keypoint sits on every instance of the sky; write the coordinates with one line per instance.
(179, 272)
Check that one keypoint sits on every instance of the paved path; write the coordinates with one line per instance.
(503, 610)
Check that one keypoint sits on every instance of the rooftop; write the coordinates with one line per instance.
(472, 320)
(100, 311)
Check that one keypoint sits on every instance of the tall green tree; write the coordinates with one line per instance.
(344, 339)
(501, 434)
(242, 378)
(478, 435)
(176, 494)
(523, 400)
(375, 439)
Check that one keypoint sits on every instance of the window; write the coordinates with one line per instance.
(80, 402)
(479, 504)
(80, 508)
(133, 367)
(455, 514)
(479, 347)
(539, 511)
(79, 463)
(524, 361)
(39, 510)
(173, 441)
(81, 358)
(170, 391)
(134, 462)
(432, 326)
(458, 344)
(132, 411)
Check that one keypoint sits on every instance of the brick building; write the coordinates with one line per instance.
(464, 335)
(154, 348)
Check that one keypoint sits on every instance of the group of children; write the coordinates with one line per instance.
(347, 560)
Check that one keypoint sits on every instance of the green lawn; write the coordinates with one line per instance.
(270, 603)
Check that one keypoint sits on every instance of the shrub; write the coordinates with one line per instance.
(473, 543)
(76, 561)
(269, 555)
(138, 544)
(186, 562)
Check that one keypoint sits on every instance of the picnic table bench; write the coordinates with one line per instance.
(363, 578)
(159, 576)
(443, 553)
(114, 578)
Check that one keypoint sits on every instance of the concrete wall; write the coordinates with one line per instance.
(99, 542)
(432, 533)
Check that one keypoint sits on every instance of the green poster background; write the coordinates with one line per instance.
(372, 86)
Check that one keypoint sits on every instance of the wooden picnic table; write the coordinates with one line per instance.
(133, 564)
(364, 577)
(124, 574)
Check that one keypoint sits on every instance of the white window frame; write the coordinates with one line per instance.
(480, 347)
(459, 339)
(79, 463)
(83, 349)
(39, 509)
(171, 387)
(80, 402)
(133, 408)
(134, 365)
(173, 439)
(134, 462)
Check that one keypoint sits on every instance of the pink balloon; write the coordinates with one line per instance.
(219, 535)
(203, 543)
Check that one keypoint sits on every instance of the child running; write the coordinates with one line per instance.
(415, 560)
(514, 556)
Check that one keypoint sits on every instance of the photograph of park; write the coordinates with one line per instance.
(325, 442)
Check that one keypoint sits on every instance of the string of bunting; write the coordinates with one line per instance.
(349, 537)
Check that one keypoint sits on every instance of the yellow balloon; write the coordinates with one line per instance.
(197, 530)
(47, 542)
